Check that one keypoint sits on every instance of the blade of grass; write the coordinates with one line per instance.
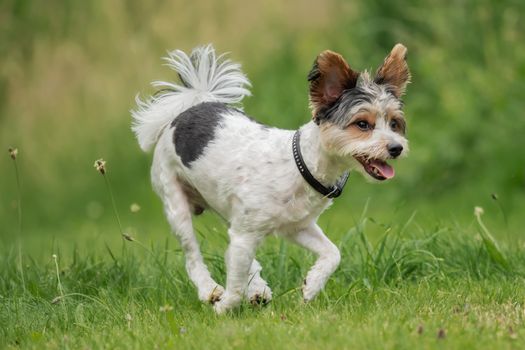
(491, 245)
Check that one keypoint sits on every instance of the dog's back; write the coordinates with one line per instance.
(211, 148)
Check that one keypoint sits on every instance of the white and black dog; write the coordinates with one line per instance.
(264, 180)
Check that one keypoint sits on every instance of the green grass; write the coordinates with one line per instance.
(411, 288)
(416, 262)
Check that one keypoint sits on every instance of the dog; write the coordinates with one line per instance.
(208, 154)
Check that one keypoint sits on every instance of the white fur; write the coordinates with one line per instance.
(248, 176)
(209, 78)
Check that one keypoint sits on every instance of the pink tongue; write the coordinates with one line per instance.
(384, 169)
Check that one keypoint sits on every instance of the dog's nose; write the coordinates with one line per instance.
(395, 149)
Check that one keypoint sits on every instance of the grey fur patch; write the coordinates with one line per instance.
(338, 112)
(195, 129)
(365, 93)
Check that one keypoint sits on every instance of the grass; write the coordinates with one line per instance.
(413, 287)
(419, 269)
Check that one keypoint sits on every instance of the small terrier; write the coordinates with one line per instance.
(263, 180)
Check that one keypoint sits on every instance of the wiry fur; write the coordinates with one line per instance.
(366, 95)
(204, 77)
(330, 75)
(246, 173)
(394, 70)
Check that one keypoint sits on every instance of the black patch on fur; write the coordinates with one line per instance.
(314, 73)
(195, 129)
(338, 112)
(380, 80)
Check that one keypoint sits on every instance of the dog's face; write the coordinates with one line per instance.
(361, 118)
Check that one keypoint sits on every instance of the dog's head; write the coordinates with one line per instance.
(361, 117)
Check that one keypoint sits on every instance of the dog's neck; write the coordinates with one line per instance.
(325, 167)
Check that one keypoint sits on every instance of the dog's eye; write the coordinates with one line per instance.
(363, 125)
(394, 124)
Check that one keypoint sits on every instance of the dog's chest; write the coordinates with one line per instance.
(300, 209)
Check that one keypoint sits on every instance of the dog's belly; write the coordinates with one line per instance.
(269, 213)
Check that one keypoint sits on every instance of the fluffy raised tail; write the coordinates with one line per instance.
(204, 77)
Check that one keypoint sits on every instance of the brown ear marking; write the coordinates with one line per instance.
(394, 70)
(329, 77)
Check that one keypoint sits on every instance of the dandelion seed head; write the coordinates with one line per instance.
(134, 207)
(478, 211)
(13, 152)
(100, 165)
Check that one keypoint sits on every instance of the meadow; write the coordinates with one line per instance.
(421, 267)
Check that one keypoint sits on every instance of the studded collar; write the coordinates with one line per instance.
(329, 192)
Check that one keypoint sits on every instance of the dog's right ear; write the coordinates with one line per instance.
(394, 71)
(329, 77)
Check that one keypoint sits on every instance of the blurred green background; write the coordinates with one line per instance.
(69, 72)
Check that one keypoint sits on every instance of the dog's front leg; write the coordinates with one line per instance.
(313, 239)
(239, 258)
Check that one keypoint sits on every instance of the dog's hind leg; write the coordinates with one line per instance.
(257, 291)
(313, 239)
(178, 213)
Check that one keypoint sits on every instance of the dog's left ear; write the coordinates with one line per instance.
(394, 71)
(329, 77)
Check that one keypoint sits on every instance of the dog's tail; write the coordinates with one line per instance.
(203, 77)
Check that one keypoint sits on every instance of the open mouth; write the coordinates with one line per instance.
(378, 169)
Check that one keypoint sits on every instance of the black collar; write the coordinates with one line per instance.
(330, 192)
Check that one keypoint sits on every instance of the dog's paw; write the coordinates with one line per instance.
(216, 294)
(260, 296)
(257, 292)
(226, 303)
(310, 291)
(212, 294)
(260, 300)
(220, 307)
